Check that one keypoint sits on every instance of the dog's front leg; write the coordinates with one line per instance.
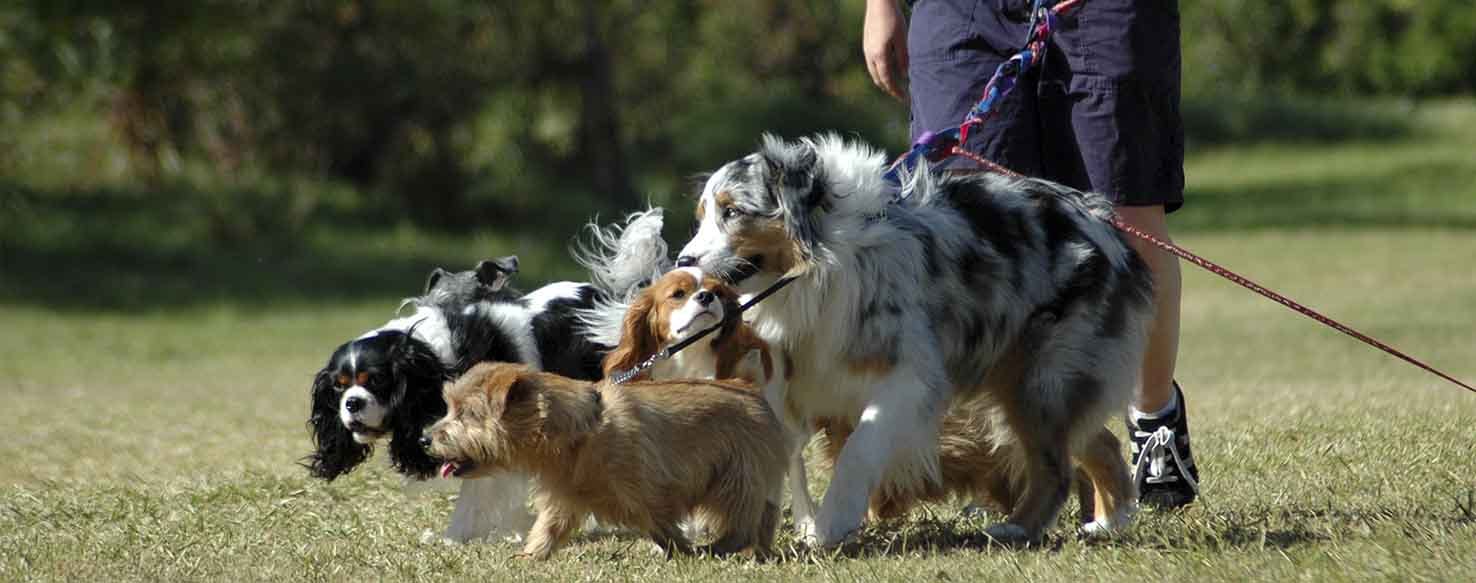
(491, 507)
(552, 529)
(799, 492)
(897, 432)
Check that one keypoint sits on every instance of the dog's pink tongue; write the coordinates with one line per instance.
(447, 469)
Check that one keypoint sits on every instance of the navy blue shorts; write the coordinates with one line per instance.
(1100, 113)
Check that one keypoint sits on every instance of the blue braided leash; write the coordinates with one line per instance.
(936, 146)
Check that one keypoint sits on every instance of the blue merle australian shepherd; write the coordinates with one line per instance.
(1016, 292)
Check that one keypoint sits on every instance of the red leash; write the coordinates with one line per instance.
(1240, 280)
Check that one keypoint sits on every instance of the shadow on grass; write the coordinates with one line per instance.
(1214, 120)
(932, 536)
(127, 250)
(1268, 528)
(1421, 195)
(133, 249)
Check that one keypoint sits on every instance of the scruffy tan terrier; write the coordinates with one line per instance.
(642, 455)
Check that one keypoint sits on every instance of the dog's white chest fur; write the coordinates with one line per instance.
(695, 363)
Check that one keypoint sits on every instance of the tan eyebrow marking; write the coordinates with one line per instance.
(723, 199)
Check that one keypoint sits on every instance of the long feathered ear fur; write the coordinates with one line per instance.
(337, 452)
(417, 404)
(637, 341)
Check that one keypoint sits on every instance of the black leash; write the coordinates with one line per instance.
(625, 376)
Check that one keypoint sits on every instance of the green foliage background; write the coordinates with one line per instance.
(454, 113)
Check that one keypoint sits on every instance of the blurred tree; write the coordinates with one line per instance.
(451, 111)
(1408, 47)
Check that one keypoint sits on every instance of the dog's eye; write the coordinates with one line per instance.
(730, 213)
(679, 294)
(341, 381)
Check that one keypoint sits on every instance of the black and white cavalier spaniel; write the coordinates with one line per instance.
(387, 382)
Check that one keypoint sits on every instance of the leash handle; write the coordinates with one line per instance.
(935, 146)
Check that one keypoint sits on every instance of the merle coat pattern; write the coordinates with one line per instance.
(949, 286)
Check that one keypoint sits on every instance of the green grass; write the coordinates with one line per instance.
(154, 429)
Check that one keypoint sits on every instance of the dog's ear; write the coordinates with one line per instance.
(565, 414)
(406, 454)
(519, 388)
(417, 403)
(435, 276)
(637, 341)
(795, 181)
(792, 170)
(495, 273)
(336, 451)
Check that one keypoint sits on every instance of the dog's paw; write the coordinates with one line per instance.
(431, 537)
(833, 540)
(807, 532)
(457, 536)
(1097, 530)
(1111, 525)
(695, 530)
(1008, 534)
(973, 511)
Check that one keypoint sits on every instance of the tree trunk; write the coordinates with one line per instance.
(601, 153)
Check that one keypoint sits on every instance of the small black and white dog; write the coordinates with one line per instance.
(387, 382)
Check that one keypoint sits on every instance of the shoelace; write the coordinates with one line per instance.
(1157, 451)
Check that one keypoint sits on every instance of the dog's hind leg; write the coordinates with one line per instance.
(1060, 383)
(1047, 484)
(669, 537)
(1035, 413)
(768, 526)
(756, 531)
(1114, 499)
(1086, 496)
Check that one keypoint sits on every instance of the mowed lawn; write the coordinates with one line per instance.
(161, 443)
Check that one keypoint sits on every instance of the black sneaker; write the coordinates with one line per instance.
(1163, 468)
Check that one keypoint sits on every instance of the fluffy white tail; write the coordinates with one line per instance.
(624, 257)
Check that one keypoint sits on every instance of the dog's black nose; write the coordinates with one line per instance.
(354, 404)
(703, 297)
(425, 442)
(686, 261)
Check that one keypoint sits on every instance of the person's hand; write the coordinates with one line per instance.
(884, 43)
